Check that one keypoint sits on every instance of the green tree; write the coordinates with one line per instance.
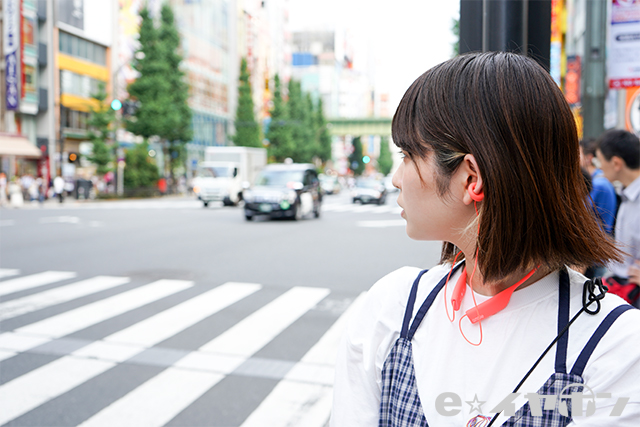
(278, 134)
(100, 120)
(247, 129)
(385, 162)
(299, 119)
(160, 88)
(455, 29)
(177, 128)
(151, 89)
(323, 137)
(355, 159)
(140, 170)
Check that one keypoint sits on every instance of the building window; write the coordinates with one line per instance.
(81, 48)
(73, 119)
(78, 84)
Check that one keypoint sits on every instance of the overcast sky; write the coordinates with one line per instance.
(395, 40)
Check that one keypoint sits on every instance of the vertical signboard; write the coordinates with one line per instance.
(624, 44)
(555, 56)
(28, 57)
(11, 43)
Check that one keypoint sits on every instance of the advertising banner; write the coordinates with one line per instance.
(623, 65)
(572, 80)
(11, 45)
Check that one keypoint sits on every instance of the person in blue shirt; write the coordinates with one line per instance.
(603, 194)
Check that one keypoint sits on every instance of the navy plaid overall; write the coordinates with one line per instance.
(400, 404)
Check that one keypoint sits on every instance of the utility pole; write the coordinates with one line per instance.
(593, 69)
(520, 26)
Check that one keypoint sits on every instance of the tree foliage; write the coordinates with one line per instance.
(299, 120)
(355, 158)
(247, 129)
(100, 120)
(178, 125)
(151, 89)
(140, 169)
(322, 133)
(385, 162)
(160, 89)
(279, 133)
(455, 29)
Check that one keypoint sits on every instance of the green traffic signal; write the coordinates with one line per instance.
(116, 105)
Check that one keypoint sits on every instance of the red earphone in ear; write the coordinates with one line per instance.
(475, 197)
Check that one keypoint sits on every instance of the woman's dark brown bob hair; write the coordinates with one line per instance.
(506, 110)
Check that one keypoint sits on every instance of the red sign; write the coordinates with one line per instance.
(572, 80)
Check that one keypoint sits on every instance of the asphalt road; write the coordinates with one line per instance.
(167, 313)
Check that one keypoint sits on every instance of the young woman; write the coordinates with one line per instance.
(491, 168)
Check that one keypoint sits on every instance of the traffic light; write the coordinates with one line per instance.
(116, 105)
(366, 159)
(73, 157)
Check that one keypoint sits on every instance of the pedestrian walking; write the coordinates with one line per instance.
(491, 169)
(603, 194)
(619, 155)
(58, 186)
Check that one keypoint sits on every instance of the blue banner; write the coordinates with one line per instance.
(11, 44)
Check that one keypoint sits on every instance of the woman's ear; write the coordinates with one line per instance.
(473, 180)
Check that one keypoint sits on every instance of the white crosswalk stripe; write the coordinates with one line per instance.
(59, 295)
(347, 207)
(33, 281)
(157, 401)
(8, 272)
(302, 396)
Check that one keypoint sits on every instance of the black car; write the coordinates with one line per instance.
(284, 191)
(369, 191)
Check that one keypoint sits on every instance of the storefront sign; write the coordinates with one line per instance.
(11, 38)
(624, 44)
(572, 80)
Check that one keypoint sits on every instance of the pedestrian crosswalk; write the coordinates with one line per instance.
(67, 367)
(329, 205)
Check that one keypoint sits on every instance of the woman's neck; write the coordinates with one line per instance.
(477, 282)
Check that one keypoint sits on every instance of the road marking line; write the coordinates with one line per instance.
(382, 209)
(65, 219)
(344, 208)
(364, 208)
(170, 322)
(58, 295)
(109, 353)
(165, 392)
(6, 354)
(33, 281)
(7, 223)
(90, 314)
(8, 272)
(255, 331)
(382, 224)
(304, 397)
(30, 390)
(157, 401)
(293, 404)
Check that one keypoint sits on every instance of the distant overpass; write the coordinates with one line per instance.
(362, 126)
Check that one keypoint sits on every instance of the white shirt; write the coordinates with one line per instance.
(513, 339)
(628, 229)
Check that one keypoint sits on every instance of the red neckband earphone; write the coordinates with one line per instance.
(489, 307)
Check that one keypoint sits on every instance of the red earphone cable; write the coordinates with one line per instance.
(446, 305)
